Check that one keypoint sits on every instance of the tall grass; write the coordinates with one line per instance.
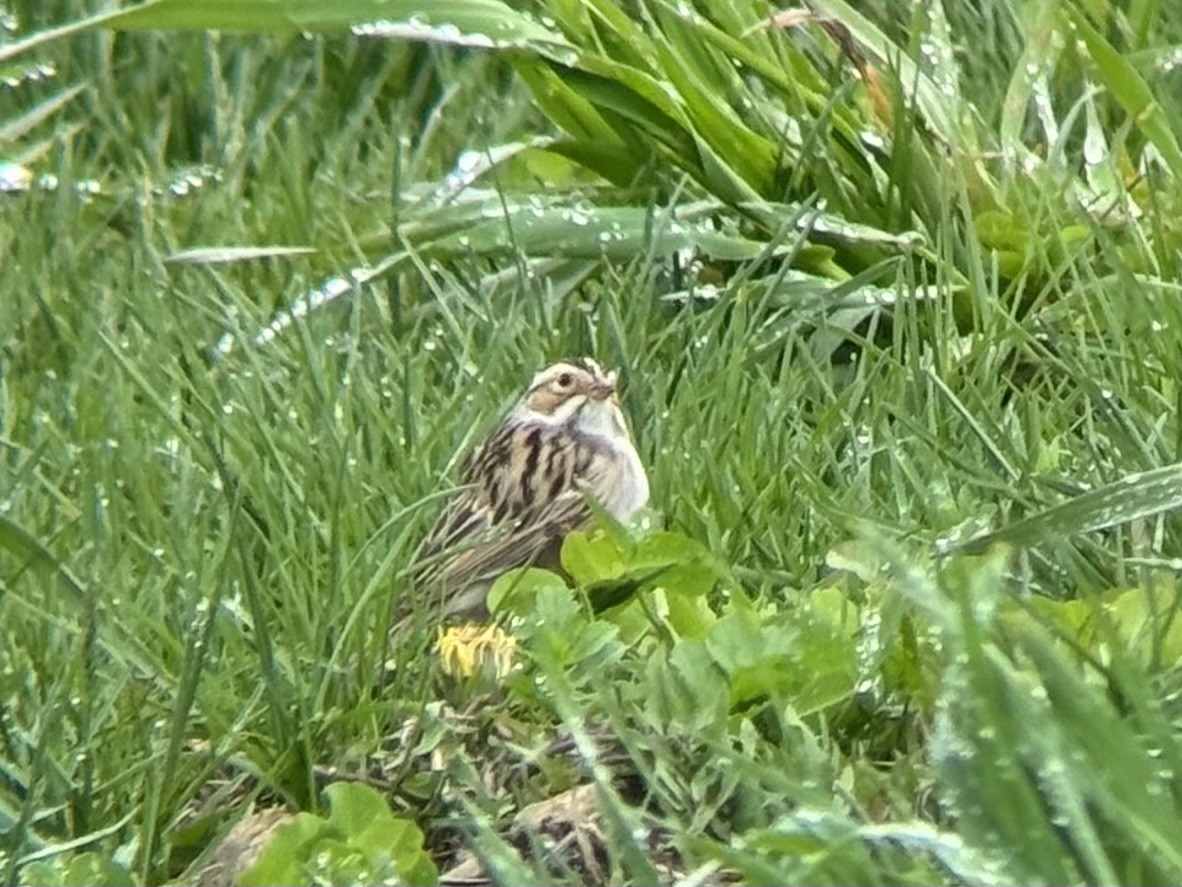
(894, 292)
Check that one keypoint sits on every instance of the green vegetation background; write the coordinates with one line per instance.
(895, 293)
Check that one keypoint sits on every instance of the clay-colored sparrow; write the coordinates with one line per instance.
(527, 486)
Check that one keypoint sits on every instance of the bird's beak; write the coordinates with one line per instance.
(602, 389)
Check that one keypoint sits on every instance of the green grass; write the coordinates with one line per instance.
(860, 330)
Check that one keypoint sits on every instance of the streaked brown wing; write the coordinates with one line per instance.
(506, 547)
(470, 515)
(524, 493)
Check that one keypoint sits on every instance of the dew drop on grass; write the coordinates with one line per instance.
(873, 140)
(14, 177)
(1171, 61)
(866, 687)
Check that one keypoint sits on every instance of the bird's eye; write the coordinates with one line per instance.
(565, 380)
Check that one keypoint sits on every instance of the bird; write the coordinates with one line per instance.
(563, 452)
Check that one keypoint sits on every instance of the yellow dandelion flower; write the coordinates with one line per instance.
(465, 650)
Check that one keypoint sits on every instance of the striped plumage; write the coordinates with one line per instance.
(526, 486)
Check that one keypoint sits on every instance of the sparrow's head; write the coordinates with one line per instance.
(565, 390)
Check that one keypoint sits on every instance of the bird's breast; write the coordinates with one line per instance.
(620, 483)
(631, 493)
(618, 479)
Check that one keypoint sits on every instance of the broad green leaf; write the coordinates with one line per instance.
(360, 839)
(689, 688)
(803, 657)
(753, 157)
(82, 868)
(281, 861)
(478, 22)
(561, 635)
(515, 591)
(593, 558)
(688, 568)
(616, 235)
(636, 96)
(1002, 231)
(487, 223)
(362, 815)
(573, 112)
(1134, 497)
(582, 230)
(354, 808)
(691, 617)
(1144, 622)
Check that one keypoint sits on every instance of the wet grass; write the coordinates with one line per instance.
(842, 360)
